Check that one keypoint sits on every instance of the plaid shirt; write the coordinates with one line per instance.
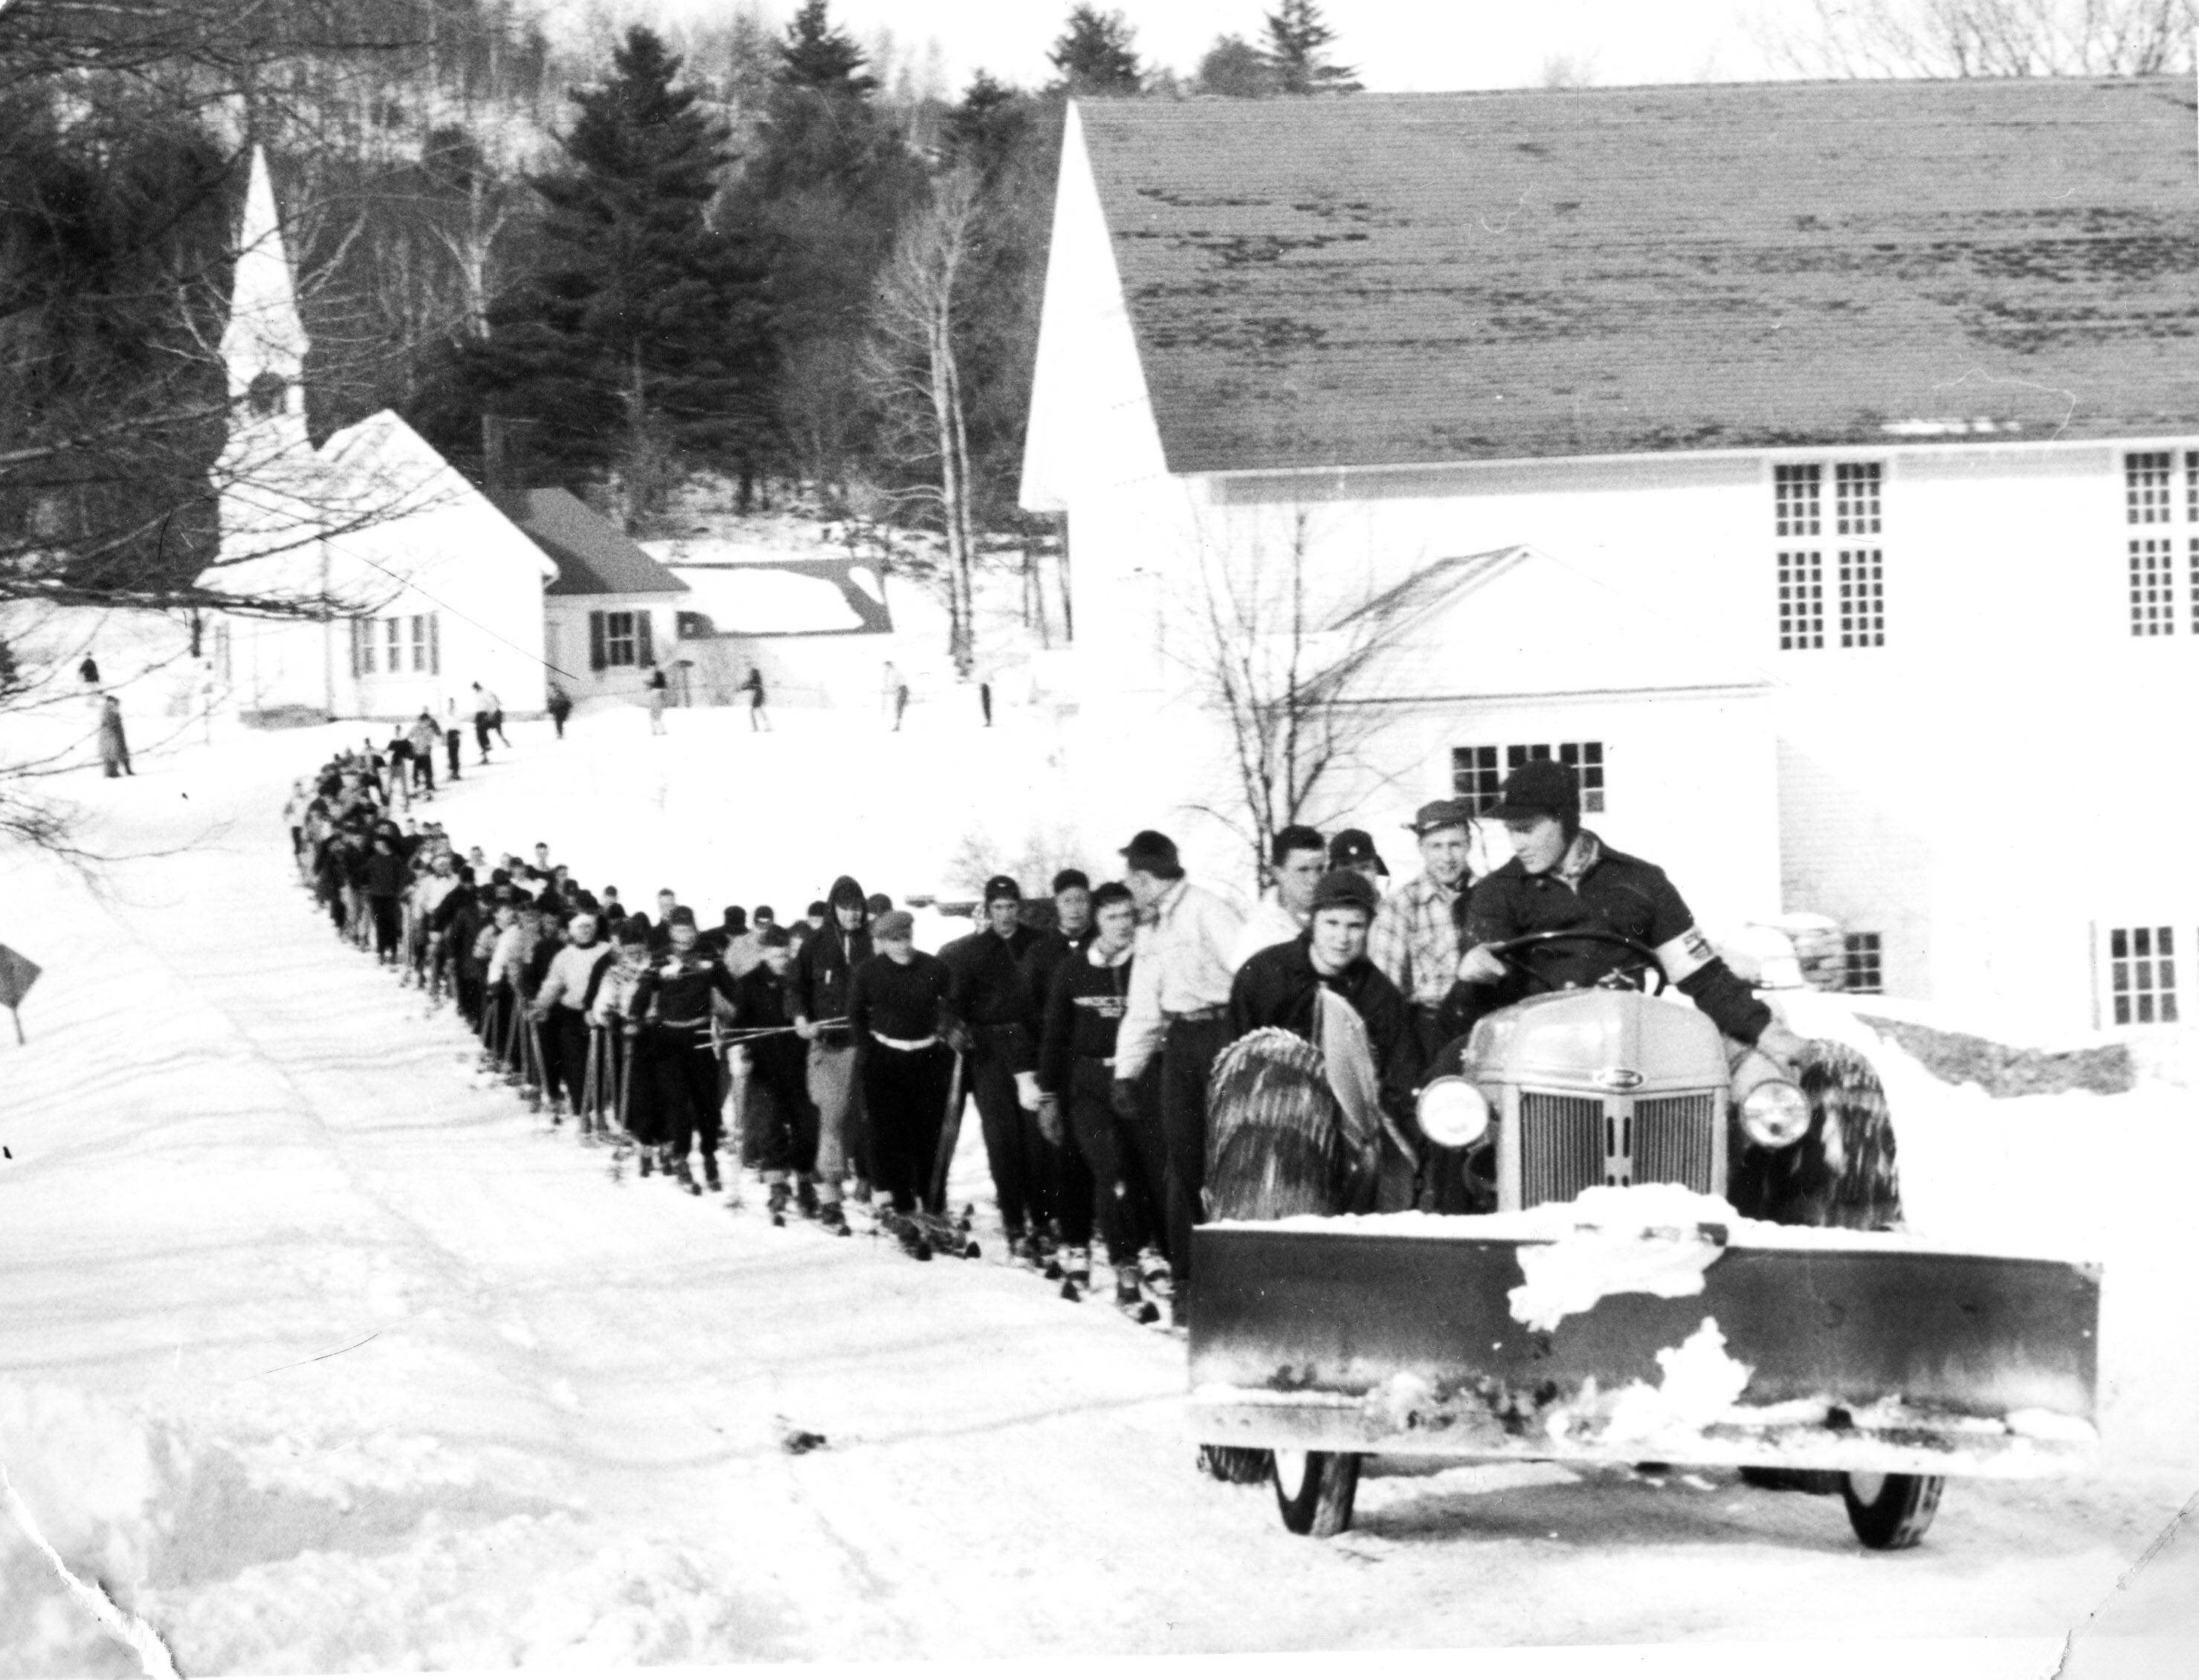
(1415, 940)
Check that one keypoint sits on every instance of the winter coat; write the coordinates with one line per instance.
(113, 747)
(1275, 989)
(573, 975)
(817, 978)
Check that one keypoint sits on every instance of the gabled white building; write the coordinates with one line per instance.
(437, 590)
(1819, 464)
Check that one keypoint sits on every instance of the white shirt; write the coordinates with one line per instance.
(1182, 965)
(1270, 924)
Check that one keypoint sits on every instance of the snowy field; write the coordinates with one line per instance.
(321, 1358)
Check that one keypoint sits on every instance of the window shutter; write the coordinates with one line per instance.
(435, 643)
(596, 660)
(643, 652)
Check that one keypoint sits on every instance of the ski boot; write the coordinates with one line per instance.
(1045, 1253)
(1015, 1243)
(906, 1230)
(711, 1173)
(1075, 1265)
(1154, 1274)
(805, 1198)
(648, 1157)
(775, 1203)
(1130, 1300)
(678, 1170)
(556, 1110)
(830, 1218)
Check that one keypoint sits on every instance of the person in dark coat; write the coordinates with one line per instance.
(994, 1002)
(383, 878)
(114, 745)
(675, 996)
(561, 708)
(1278, 987)
(1102, 1160)
(900, 1010)
(817, 984)
(777, 1114)
(1562, 877)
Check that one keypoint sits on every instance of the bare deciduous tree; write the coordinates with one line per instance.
(914, 369)
(1991, 38)
(1281, 661)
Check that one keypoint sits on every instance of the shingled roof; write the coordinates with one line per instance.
(1432, 277)
(593, 555)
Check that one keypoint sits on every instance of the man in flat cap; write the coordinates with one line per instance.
(1178, 1011)
(1415, 940)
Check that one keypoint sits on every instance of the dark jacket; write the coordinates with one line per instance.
(992, 996)
(1275, 989)
(680, 987)
(383, 875)
(1617, 894)
(817, 980)
(760, 1000)
(1084, 1009)
(1048, 952)
(908, 1002)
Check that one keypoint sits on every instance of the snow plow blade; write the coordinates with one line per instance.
(1843, 1351)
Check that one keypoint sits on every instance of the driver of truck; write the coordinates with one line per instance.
(1562, 877)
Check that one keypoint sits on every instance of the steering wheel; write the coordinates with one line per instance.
(1508, 952)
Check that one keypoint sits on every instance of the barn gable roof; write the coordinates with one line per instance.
(593, 555)
(1431, 277)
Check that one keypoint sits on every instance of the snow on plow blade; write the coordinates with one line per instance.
(1836, 1351)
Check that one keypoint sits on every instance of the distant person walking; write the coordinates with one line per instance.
(561, 708)
(985, 699)
(425, 739)
(897, 694)
(453, 737)
(89, 671)
(655, 691)
(485, 714)
(114, 745)
(758, 717)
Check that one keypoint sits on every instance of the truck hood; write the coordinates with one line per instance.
(1614, 1041)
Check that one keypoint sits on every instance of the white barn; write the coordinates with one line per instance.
(1819, 464)
(440, 590)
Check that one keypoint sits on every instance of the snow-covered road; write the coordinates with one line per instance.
(321, 1357)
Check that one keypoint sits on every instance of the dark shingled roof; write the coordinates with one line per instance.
(593, 555)
(1430, 277)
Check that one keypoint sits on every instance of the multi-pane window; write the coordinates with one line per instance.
(1858, 574)
(1855, 498)
(1862, 597)
(1861, 970)
(2153, 586)
(618, 638)
(1801, 600)
(1795, 492)
(1475, 776)
(2145, 486)
(2142, 975)
(392, 646)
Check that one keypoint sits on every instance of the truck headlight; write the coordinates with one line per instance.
(1453, 1113)
(1775, 1113)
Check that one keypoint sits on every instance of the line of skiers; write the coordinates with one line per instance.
(1084, 1030)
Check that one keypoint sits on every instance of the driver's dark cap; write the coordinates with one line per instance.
(1352, 846)
(1541, 787)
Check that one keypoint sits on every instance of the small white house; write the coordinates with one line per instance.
(1817, 464)
(612, 612)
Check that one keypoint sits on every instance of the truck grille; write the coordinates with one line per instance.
(1672, 1140)
(1561, 1146)
(1567, 1143)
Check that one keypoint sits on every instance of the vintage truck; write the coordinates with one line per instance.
(1688, 1258)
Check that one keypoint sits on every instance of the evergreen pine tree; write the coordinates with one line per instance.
(825, 185)
(1297, 40)
(641, 340)
(1094, 55)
